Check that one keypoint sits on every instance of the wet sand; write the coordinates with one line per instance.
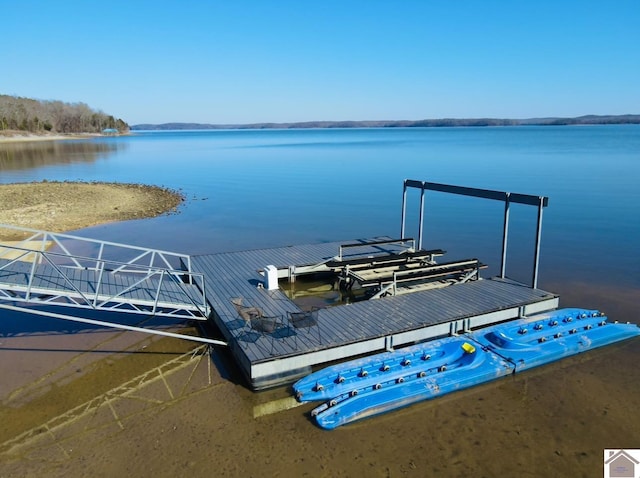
(198, 419)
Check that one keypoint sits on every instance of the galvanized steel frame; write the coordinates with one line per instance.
(507, 197)
(148, 267)
(154, 257)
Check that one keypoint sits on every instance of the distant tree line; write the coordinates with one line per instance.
(37, 116)
(426, 123)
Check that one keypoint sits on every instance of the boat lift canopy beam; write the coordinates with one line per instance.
(404, 244)
(507, 197)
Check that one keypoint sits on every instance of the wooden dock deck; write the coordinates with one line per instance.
(272, 350)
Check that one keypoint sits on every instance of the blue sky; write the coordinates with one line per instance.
(282, 61)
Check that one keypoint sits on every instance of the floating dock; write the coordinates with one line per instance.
(272, 349)
(274, 341)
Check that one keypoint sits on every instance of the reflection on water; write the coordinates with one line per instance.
(318, 290)
(29, 155)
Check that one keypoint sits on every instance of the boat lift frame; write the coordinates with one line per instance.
(507, 197)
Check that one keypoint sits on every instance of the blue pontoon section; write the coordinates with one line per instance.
(462, 370)
(373, 371)
(545, 338)
(387, 381)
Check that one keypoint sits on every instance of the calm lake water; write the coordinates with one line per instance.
(264, 188)
(256, 189)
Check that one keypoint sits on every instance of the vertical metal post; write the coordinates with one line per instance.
(536, 260)
(505, 236)
(404, 205)
(189, 270)
(421, 218)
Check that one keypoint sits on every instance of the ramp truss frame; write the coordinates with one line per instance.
(115, 277)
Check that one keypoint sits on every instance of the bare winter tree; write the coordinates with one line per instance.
(26, 114)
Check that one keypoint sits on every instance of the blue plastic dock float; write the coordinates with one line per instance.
(384, 382)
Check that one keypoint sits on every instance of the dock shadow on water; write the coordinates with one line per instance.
(319, 290)
(55, 365)
(109, 403)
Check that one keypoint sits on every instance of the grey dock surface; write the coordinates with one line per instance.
(285, 352)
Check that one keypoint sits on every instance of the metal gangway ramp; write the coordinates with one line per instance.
(60, 269)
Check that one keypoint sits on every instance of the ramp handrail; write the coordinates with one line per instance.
(101, 266)
(153, 257)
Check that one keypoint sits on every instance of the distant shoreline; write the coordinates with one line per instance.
(12, 136)
(588, 120)
(23, 136)
(425, 123)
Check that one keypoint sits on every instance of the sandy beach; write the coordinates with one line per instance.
(23, 136)
(83, 401)
(67, 206)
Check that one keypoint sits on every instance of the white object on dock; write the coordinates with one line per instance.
(271, 277)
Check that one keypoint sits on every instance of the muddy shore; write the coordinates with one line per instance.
(67, 206)
(104, 407)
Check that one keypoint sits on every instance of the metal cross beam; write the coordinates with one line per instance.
(507, 197)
